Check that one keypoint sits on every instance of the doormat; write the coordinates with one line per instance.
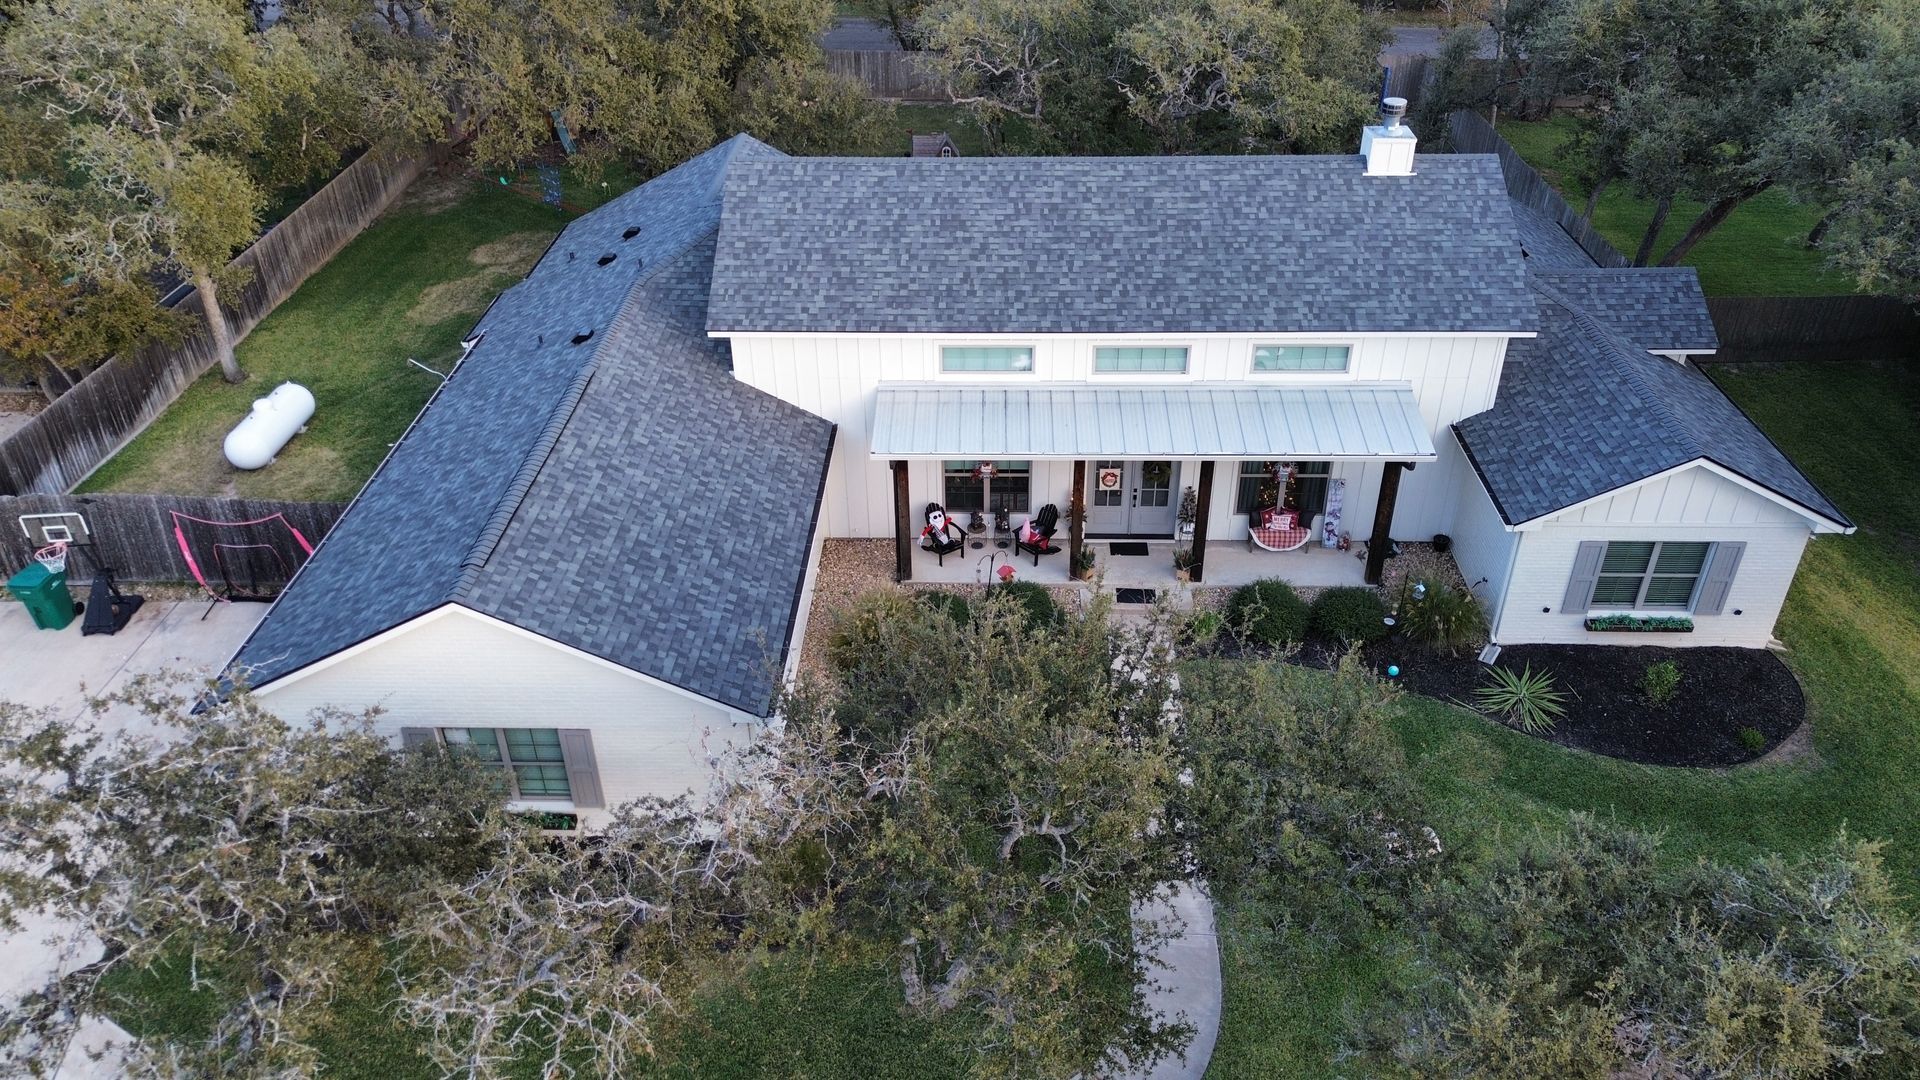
(1135, 596)
(1128, 547)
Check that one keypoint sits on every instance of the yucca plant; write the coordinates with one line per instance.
(1526, 700)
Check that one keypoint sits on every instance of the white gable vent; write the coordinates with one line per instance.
(1388, 145)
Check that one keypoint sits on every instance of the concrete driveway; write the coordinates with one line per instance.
(48, 669)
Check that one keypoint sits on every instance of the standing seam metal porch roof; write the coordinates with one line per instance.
(1347, 420)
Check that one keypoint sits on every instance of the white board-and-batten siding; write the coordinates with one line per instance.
(836, 377)
(453, 667)
(1691, 504)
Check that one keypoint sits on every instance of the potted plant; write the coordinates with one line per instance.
(1083, 564)
(1189, 509)
(1183, 560)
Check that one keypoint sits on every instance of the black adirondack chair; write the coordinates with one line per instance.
(1045, 523)
(945, 538)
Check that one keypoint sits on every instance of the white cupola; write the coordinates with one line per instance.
(1388, 145)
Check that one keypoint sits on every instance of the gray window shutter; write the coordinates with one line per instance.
(411, 737)
(583, 773)
(1713, 591)
(1586, 572)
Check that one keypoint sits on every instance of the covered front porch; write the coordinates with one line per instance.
(1141, 474)
(1228, 564)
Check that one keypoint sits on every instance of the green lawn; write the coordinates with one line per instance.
(1759, 250)
(955, 120)
(1852, 623)
(411, 285)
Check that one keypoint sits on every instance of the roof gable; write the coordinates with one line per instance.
(1117, 245)
(431, 521)
(1581, 411)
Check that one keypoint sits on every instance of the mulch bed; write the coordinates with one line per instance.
(1721, 691)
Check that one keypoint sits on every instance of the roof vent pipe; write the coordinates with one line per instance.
(1392, 111)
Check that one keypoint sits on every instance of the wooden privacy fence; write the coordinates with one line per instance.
(88, 424)
(887, 73)
(1473, 135)
(1881, 324)
(1404, 75)
(134, 534)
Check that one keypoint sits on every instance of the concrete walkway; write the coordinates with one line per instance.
(47, 669)
(1186, 982)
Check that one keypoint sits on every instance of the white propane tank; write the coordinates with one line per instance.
(275, 418)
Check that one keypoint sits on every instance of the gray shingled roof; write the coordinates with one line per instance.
(1117, 245)
(631, 439)
(1547, 245)
(1583, 411)
(1655, 307)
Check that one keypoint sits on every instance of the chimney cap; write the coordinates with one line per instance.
(1392, 111)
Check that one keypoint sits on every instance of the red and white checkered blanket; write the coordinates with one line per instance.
(1282, 539)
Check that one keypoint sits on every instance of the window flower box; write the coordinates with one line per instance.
(1641, 624)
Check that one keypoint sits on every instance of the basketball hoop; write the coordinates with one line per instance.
(53, 557)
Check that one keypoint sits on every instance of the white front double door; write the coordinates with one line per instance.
(1133, 498)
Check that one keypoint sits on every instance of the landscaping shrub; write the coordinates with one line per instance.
(1268, 611)
(858, 627)
(952, 604)
(1576, 953)
(1205, 626)
(1446, 619)
(1660, 682)
(1528, 701)
(1033, 598)
(1298, 795)
(1753, 739)
(1348, 613)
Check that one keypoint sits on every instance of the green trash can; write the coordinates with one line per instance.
(45, 593)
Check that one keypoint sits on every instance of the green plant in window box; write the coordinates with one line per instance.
(1524, 699)
(1650, 624)
(550, 821)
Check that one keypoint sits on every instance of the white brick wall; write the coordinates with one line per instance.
(1482, 546)
(455, 668)
(1695, 505)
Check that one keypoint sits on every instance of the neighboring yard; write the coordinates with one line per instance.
(955, 120)
(1852, 624)
(411, 285)
(1760, 250)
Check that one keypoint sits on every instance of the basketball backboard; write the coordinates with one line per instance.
(63, 528)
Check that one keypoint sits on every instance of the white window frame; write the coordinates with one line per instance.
(1253, 352)
(940, 361)
(1646, 579)
(1093, 363)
